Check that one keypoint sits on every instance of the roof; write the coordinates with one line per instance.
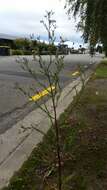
(7, 36)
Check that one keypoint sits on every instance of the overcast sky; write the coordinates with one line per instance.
(22, 17)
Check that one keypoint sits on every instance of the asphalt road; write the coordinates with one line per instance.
(14, 105)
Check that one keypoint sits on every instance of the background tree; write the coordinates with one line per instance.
(22, 43)
(93, 19)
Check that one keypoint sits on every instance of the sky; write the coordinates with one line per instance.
(22, 18)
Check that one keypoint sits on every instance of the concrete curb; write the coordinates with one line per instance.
(17, 143)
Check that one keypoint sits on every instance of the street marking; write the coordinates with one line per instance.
(41, 94)
(75, 73)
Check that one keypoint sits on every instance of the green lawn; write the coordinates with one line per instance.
(101, 71)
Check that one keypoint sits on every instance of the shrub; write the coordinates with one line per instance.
(17, 52)
(27, 52)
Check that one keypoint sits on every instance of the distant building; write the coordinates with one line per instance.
(5, 39)
(6, 42)
(5, 50)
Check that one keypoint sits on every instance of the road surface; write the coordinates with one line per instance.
(14, 105)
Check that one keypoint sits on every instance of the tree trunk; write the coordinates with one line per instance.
(106, 52)
(105, 49)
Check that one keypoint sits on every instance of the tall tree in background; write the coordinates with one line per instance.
(93, 19)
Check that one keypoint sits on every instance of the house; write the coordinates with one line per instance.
(6, 42)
